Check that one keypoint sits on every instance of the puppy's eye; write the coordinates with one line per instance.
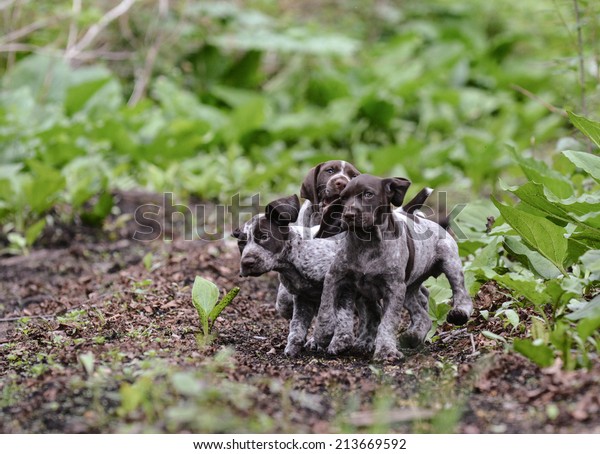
(329, 171)
(352, 177)
(264, 237)
(368, 195)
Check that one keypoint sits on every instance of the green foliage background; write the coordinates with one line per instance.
(210, 99)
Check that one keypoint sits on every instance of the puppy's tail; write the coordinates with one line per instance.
(417, 201)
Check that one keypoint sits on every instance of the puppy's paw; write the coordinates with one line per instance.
(292, 350)
(312, 346)
(458, 316)
(340, 344)
(411, 339)
(364, 345)
(387, 355)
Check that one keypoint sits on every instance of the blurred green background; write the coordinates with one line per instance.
(208, 99)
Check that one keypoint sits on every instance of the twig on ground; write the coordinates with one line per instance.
(447, 337)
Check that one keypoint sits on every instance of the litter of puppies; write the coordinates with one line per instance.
(347, 250)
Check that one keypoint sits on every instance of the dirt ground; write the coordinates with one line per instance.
(86, 291)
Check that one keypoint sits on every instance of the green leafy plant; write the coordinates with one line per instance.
(548, 258)
(205, 295)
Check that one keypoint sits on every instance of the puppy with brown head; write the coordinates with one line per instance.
(386, 256)
(321, 186)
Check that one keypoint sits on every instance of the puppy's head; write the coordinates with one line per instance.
(326, 181)
(367, 200)
(263, 238)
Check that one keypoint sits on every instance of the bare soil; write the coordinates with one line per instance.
(134, 311)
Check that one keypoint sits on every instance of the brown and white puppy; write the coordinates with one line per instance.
(269, 243)
(385, 257)
(321, 186)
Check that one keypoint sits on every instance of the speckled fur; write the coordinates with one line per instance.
(373, 262)
(302, 266)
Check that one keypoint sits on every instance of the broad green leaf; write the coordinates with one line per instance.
(226, 301)
(591, 262)
(587, 161)
(538, 172)
(204, 295)
(33, 232)
(17, 240)
(439, 294)
(540, 354)
(537, 262)
(46, 75)
(522, 286)
(539, 233)
(590, 310)
(41, 188)
(562, 290)
(181, 103)
(588, 127)
(485, 258)
(587, 326)
(78, 95)
(473, 218)
(493, 336)
(533, 194)
(512, 317)
(246, 117)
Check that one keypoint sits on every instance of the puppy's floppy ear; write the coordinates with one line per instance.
(395, 189)
(308, 190)
(237, 233)
(332, 222)
(283, 211)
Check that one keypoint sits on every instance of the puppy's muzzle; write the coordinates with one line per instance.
(248, 267)
(335, 187)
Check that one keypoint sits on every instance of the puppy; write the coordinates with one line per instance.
(321, 186)
(385, 257)
(269, 243)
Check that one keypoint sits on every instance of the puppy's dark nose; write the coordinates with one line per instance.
(248, 262)
(348, 215)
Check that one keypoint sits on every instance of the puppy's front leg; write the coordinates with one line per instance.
(326, 317)
(343, 337)
(385, 343)
(304, 311)
(416, 302)
(285, 302)
(369, 316)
